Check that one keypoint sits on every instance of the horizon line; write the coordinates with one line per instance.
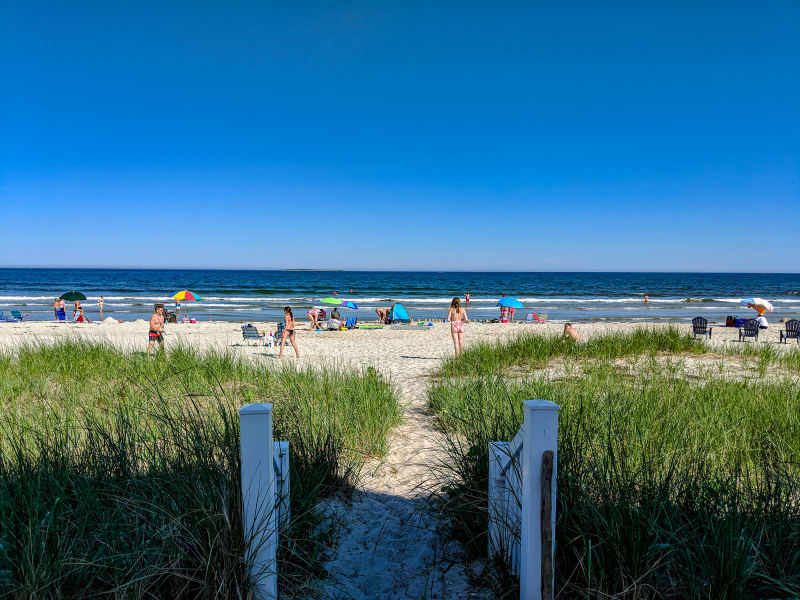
(328, 270)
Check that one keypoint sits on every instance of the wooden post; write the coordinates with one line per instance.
(540, 434)
(547, 526)
(282, 491)
(258, 499)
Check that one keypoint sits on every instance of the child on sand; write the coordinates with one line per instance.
(456, 316)
(288, 331)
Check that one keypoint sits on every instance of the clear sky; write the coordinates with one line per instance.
(486, 136)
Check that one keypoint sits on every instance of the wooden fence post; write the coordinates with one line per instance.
(258, 499)
(540, 431)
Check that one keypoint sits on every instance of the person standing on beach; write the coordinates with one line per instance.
(456, 316)
(288, 331)
(56, 306)
(156, 333)
(383, 314)
(100, 303)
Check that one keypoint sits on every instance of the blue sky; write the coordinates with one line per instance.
(588, 136)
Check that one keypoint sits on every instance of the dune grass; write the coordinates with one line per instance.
(531, 350)
(668, 487)
(119, 475)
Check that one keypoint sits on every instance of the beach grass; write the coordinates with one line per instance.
(530, 350)
(119, 474)
(668, 486)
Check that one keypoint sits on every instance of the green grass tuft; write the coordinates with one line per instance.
(119, 475)
(668, 487)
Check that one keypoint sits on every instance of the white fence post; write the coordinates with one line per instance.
(258, 498)
(540, 434)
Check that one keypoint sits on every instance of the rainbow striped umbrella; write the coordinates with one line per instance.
(186, 296)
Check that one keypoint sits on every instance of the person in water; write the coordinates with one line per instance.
(457, 316)
(288, 331)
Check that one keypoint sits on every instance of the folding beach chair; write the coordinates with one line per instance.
(249, 333)
(532, 317)
(7, 318)
(350, 322)
(18, 315)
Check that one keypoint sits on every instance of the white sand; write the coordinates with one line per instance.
(389, 547)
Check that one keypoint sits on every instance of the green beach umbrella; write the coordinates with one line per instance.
(72, 296)
(331, 301)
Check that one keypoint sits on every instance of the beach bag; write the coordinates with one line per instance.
(730, 321)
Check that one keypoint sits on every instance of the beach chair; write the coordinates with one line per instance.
(279, 332)
(61, 315)
(749, 329)
(7, 318)
(250, 333)
(18, 315)
(792, 330)
(350, 322)
(532, 317)
(700, 327)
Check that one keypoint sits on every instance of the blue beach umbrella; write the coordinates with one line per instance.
(509, 302)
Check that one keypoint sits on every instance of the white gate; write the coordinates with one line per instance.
(522, 499)
(265, 496)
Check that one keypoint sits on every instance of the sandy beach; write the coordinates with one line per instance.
(390, 545)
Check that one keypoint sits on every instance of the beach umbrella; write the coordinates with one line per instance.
(340, 303)
(72, 296)
(761, 306)
(509, 302)
(186, 296)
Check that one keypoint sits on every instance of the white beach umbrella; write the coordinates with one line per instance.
(759, 302)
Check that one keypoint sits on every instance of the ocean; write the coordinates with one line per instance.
(261, 295)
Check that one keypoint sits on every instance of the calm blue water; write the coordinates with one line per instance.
(260, 295)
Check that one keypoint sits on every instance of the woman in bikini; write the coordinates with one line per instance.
(457, 315)
(288, 331)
